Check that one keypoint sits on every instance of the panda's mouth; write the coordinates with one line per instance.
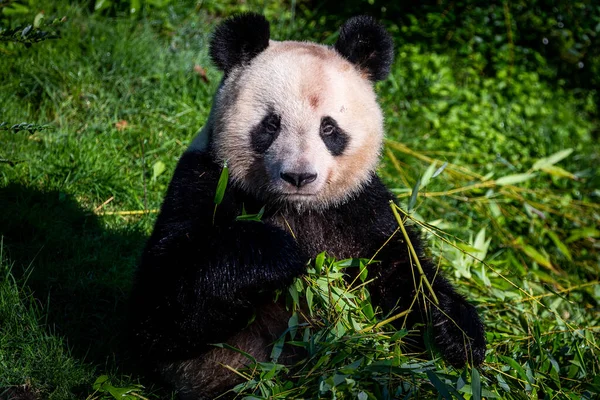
(297, 196)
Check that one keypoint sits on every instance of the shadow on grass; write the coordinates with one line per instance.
(79, 271)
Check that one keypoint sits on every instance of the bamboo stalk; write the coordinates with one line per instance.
(134, 212)
(413, 252)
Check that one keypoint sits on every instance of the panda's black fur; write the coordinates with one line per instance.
(231, 46)
(366, 44)
(204, 274)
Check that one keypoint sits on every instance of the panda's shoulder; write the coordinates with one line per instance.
(195, 166)
(374, 195)
(193, 182)
(370, 205)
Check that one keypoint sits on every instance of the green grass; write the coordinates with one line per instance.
(122, 97)
(33, 355)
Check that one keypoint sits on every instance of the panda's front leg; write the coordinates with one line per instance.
(454, 324)
(201, 284)
(249, 257)
(242, 265)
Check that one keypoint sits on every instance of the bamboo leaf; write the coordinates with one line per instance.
(560, 245)
(222, 184)
(481, 244)
(427, 175)
(502, 383)
(367, 309)
(439, 385)
(101, 380)
(518, 368)
(559, 172)
(251, 217)
(583, 233)
(37, 21)
(293, 325)
(475, 384)
(484, 278)
(414, 195)
(551, 160)
(319, 261)
(440, 170)
(513, 179)
(537, 256)
(157, 169)
(363, 273)
(309, 300)
(294, 293)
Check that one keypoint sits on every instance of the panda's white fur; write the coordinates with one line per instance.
(302, 82)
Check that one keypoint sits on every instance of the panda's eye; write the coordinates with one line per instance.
(333, 136)
(264, 134)
(272, 124)
(327, 129)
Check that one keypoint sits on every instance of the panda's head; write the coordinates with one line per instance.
(298, 122)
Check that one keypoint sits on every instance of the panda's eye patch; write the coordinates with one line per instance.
(333, 136)
(265, 132)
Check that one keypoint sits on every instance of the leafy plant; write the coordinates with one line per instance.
(133, 7)
(23, 127)
(33, 33)
(104, 389)
(349, 354)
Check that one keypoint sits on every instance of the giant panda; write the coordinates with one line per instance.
(300, 130)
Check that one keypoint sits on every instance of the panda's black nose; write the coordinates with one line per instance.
(298, 180)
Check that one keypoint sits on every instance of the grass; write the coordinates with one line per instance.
(475, 158)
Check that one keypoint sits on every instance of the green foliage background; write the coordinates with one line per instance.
(492, 146)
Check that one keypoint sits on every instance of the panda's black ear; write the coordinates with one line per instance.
(239, 39)
(365, 43)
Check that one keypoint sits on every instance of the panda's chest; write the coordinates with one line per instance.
(316, 233)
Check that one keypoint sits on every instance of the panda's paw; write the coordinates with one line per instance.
(274, 253)
(458, 332)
